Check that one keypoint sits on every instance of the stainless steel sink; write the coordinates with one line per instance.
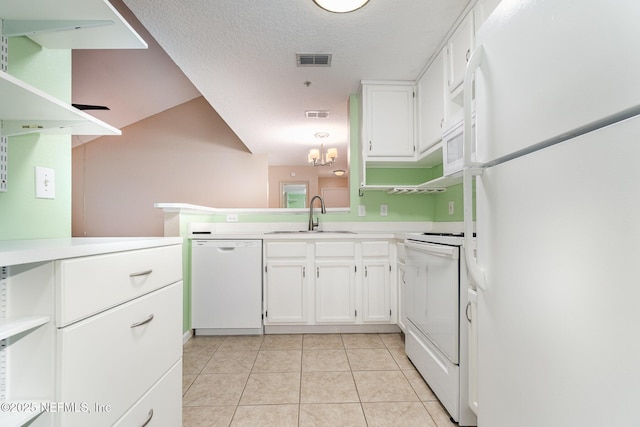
(310, 232)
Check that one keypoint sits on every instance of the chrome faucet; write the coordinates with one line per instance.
(313, 224)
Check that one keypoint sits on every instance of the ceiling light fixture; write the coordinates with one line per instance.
(340, 6)
(339, 172)
(319, 157)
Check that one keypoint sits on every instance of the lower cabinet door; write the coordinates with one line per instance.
(161, 406)
(107, 362)
(335, 291)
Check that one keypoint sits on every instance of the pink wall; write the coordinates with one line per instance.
(186, 154)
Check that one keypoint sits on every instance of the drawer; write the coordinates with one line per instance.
(106, 360)
(161, 406)
(89, 285)
(335, 249)
(375, 249)
(286, 249)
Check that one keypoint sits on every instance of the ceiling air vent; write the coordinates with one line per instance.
(316, 114)
(313, 59)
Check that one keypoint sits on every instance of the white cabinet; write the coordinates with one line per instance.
(112, 350)
(113, 358)
(335, 282)
(86, 339)
(27, 346)
(376, 282)
(328, 283)
(458, 51)
(388, 132)
(430, 105)
(286, 284)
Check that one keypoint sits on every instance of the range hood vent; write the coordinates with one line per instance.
(316, 114)
(313, 59)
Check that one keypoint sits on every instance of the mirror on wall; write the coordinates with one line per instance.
(294, 194)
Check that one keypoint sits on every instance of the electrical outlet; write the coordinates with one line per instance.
(45, 183)
(384, 210)
(362, 210)
(232, 217)
(451, 207)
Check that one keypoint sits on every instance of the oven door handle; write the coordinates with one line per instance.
(433, 249)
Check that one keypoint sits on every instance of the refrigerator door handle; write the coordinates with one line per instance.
(476, 274)
(467, 140)
(471, 169)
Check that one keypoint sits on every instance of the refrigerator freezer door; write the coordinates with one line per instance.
(551, 66)
(558, 234)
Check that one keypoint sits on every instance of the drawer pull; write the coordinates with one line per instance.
(148, 420)
(143, 322)
(141, 273)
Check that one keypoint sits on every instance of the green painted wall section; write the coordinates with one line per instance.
(24, 216)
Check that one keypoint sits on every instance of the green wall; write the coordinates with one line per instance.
(24, 216)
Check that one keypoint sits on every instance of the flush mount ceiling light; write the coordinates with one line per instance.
(339, 172)
(341, 6)
(319, 157)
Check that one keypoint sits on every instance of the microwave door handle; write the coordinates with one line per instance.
(471, 170)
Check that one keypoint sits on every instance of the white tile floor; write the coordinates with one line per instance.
(305, 380)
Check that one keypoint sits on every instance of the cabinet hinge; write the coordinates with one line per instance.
(355, 269)
(389, 312)
(265, 268)
(266, 314)
(356, 313)
(389, 267)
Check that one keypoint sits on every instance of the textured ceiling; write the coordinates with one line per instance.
(240, 55)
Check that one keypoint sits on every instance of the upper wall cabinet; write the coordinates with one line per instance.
(69, 24)
(430, 105)
(458, 51)
(388, 132)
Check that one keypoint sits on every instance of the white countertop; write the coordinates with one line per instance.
(296, 236)
(38, 250)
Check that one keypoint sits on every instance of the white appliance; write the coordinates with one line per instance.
(226, 287)
(436, 330)
(557, 88)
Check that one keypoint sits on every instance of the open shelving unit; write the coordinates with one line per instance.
(431, 157)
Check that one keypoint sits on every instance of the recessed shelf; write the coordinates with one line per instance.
(32, 110)
(14, 326)
(70, 24)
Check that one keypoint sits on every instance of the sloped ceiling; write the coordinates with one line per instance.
(241, 56)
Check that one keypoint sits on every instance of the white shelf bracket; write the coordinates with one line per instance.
(4, 66)
(3, 343)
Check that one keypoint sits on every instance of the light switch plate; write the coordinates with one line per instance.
(384, 210)
(45, 183)
(362, 210)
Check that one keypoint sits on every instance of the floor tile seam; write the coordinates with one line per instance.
(435, 399)
(435, 422)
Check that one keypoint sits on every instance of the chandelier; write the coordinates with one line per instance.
(319, 157)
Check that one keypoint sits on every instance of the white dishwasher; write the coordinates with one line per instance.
(226, 287)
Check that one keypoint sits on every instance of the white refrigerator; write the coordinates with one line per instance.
(557, 186)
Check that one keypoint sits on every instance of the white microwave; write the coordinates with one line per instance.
(453, 148)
